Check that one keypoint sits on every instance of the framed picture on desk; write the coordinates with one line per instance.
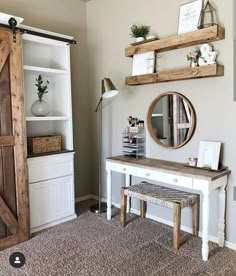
(208, 155)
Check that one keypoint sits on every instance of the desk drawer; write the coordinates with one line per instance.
(124, 169)
(177, 180)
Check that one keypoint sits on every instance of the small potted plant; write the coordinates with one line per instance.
(40, 107)
(139, 32)
(193, 57)
(42, 89)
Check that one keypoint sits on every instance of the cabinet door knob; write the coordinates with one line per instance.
(175, 180)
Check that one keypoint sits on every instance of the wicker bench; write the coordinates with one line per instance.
(166, 197)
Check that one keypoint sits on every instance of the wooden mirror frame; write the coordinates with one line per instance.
(149, 122)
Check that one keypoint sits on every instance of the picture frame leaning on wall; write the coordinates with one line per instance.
(189, 16)
(209, 155)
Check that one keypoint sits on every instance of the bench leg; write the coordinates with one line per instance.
(195, 217)
(123, 207)
(143, 208)
(176, 220)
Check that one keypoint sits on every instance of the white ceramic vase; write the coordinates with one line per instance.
(40, 108)
(193, 64)
(139, 39)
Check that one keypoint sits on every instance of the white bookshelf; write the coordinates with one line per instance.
(51, 176)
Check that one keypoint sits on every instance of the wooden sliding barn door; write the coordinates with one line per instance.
(14, 211)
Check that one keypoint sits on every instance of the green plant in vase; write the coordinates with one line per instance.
(139, 32)
(40, 107)
(42, 88)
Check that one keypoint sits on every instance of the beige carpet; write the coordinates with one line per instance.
(90, 245)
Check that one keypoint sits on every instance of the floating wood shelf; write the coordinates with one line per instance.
(205, 35)
(177, 74)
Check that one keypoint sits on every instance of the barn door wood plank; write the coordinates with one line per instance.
(7, 162)
(17, 97)
(8, 217)
(9, 241)
(2, 224)
(7, 141)
(4, 53)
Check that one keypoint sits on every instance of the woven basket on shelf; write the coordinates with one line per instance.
(42, 144)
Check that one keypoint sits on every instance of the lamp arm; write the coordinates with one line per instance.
(96, 110)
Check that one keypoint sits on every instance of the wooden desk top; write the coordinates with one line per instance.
(170, 167)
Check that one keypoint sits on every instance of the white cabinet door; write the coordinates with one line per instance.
(51, 200)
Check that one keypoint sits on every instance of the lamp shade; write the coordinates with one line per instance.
(108, 88)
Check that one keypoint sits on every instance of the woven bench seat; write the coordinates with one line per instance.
(166, 197)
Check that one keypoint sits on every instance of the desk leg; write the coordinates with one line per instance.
(205, 225)
(108, 194)
(127, 184)
(221, 222)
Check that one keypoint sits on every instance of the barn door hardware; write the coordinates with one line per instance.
(12, 23)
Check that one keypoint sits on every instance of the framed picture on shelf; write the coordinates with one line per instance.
(208, 155)
(189, 16)
(143, 63)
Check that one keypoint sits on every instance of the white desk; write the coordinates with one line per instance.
(178, 175)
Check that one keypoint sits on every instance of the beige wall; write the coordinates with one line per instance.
(66, 17)
(108, 23)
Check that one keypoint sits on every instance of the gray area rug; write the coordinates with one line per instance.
(91, 245)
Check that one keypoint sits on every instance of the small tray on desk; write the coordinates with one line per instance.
(222, 168)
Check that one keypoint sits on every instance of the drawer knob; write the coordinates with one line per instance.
(147, 174)
(175, 180)
(124, 169)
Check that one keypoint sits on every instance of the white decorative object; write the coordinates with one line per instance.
(151, 37)
(208, 56)
(193, 64)
(208, 155)
(140, 38)
(143, 63)
(188, 16)
(192, 161)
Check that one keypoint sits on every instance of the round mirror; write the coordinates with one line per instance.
(171, 120)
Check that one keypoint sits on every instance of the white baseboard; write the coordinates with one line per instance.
(230, 245)
(83, 198)
(161, 220)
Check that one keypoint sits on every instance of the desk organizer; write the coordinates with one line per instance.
(134, 142)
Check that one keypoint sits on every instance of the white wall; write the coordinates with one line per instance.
(108, 23)
(66, 17)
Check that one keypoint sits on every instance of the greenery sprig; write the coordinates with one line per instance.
(139, 31)
(42, 88)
